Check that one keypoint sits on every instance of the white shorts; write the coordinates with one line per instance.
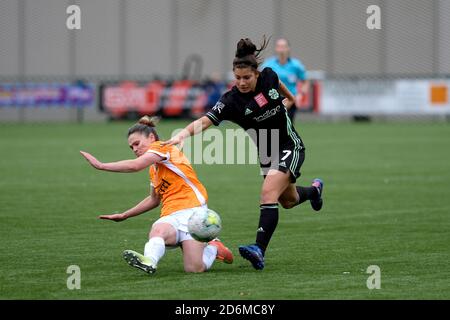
(179, 220)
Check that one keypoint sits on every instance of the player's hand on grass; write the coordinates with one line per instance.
(114, 217)
(92, 160)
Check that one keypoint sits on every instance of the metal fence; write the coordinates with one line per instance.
(143, 39)
(147, 37)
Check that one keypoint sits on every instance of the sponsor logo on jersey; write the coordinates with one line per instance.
(273, 93)
(248, 111)
(261, 100)
(164, 186)
(267, 114)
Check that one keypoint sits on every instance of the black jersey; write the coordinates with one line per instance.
(258, 110)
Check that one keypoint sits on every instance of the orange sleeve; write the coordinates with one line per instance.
(160, 150)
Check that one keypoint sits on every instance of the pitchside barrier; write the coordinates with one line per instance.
(360, 98)
(367, 98)
(45, 94)
(22, 98)
(183, 98)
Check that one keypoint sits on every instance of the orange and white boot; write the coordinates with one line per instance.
(223, 253)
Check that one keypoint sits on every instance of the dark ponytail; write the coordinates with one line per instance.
(247, 55)
(145, 125)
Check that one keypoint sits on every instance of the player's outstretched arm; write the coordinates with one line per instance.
(132, 165)
(193, 128)
(145, 205)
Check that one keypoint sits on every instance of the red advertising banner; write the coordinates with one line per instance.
(182, 98)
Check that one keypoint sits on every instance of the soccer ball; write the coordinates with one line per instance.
(204, 225)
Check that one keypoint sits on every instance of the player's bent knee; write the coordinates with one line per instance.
(167, 232)
(195, 268)
(287, 204)
(269, 197)
(160, 228)
(157, 233)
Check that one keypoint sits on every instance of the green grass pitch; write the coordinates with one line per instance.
(387, 203)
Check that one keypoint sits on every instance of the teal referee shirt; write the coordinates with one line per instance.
(289, 73)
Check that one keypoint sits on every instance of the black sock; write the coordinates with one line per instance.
(268, 221)
(307, 193)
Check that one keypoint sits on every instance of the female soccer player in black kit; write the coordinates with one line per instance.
(258, 103)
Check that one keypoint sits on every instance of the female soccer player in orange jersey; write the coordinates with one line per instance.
(176, 186)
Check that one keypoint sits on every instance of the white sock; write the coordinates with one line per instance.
(209, 255)
(155, 249)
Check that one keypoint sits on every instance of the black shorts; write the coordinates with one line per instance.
(289, 159)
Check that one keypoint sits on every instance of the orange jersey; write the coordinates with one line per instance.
(175, 181)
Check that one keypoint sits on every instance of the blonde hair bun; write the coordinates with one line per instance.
(149, 121)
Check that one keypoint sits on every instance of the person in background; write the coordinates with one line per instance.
(289, 70)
